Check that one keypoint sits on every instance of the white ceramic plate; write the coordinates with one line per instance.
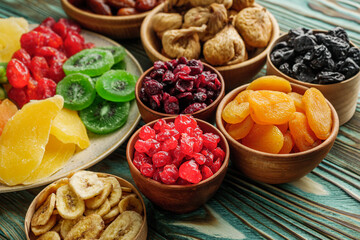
(100, 145)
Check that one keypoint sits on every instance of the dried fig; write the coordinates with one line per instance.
(183, 42)
(197, 3)
(196, 17)
(162, 22)
(239, 5)
(254, 25)
(217, 20)
(227, 47)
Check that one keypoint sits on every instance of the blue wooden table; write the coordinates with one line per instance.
(323, 205)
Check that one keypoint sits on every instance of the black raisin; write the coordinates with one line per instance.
(304, 43)
(354, 54)
(321, 56)
(329, 77)
(285, 68)
(337, 46)
(340, 33)
(349, 68)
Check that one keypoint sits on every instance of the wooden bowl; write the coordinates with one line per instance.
(343, 96)
(207, 114)
(42, 196)
(234, 75)
(116, 27)
(179, 198)
(275, 168)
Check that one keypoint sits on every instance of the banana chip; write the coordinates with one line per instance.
(38, 230)
(87, 228)
(116, 193)
(98, 200)
(67, 225)
(68, 204)
(50, 236)
(102, 210)
(44, 212)
(130, 202)
(86, 184)
(126, 189)
(125, 227)
(112, 214)
(57, 227)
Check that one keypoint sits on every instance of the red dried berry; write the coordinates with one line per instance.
(147, 170)
(190, 172)
(32, 40)
(206, 172)
(216, 165)
(199, 158)
(209, 157)
(219, 153)
(140, 159)
(63, 26)
(142, 146)
(155, 147)
(17, 73)
(158, 126)
(171, 105)
(170, 174)
(23, 56)
(146, 133)
(161, 159)
(156, 175)
(177, 156)
(181, 181)
(51, 38)
(211, 140)
(186, 144)
(73, 43)
(169, 144)
(184, 121)
(18, 95)
(198, 144)
(194, 108)
(56, 72)
(39, 67)
(48, 22)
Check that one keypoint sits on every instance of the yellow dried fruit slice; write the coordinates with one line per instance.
(273, 83)
(22, 143)
(243, 96)
(235, 112)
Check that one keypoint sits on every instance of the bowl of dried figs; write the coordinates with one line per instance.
(232, 36)
(87, 205)
(326, 60)
(119, 19)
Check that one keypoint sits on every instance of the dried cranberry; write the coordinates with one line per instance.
(182, 68)
(157, 74)
(182, 60)
(23, 56)
(18, 95)
(146, 133)
(17, 73)
(168, 77)
(161, 158)
(171, 105)
(170, 174)
(206, 172)
(188, 96)
(155, 101)
(143, 95)
(194, 108)
(184, 86)
(190, 172)
(200, 97)
(160, 65)
(196, 66)
(153, 87)
(147, 170)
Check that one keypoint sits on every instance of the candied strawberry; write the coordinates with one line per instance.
(170, 174)
(51, 38)
(146, 133)
(211, 140)
(142, 146)
(56, 72)
(40, 89)
(23, 56)
(18, 95)
(190, 172)
(147, 170)
(51, 55)
(48, 22)
(32, 40)
(73, 43)
(89, 45)
(161, 158)
(39, 67)
(17, 73)
(63, 26)
(206, 172)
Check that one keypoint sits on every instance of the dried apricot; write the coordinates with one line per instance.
(240, 130)
(273, 83)
(318, 113)
(283, 127)
(299, 105)
(271, 107)
(288, 143)
(301, 132)
(243, 96)
(256, 120)
(266, 138)
(235, 112)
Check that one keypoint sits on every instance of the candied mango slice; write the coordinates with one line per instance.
(318, 113)
(56, 155)
(301, 132)
(288, 143)
(283, 127)
(266, 138)
(7, 110)
(23, 141)
(243, 96)
(271, 82)
(299, 105)
(235, 112)
(69, 128)
(240, 130)
(271, 107)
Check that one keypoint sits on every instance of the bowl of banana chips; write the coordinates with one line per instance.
(87, 205)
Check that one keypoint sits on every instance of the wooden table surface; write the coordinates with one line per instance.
(325, 204)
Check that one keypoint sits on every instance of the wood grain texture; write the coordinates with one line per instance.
(323, 205)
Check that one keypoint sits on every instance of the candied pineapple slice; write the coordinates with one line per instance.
(7, 110)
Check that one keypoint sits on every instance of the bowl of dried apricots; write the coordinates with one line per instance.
(277, 131)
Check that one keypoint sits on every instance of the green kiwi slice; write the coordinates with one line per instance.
(78, 91)
(119, 66)
(116, 86)
(92, 62)
(118, 53)
(103, 116)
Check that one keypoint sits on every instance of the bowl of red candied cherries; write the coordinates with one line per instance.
(179, 86)
(178, 162)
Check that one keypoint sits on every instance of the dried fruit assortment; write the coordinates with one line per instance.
(222, 32)
(177, 152)
(116, 7)
(320, 58)
(179, 86)
(88, 206)
(268, 117)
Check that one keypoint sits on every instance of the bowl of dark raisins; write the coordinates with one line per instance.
(179, 86)
(326, 60)
(119, 19)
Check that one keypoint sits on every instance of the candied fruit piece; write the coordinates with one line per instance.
(169, 174)
(158, 126)
(156, 175)
(186, 144)
(243, 96)
(190, 172)
(147, 170)
(219, 153)
(210, 140)
(240, 130)
(216, 165)
(256, 119)
(169, 144)
(199, 158)
(266, 138)
(299, 105)
(146, 133)
(283, 127)
(235, 112)
(184, 121)
(273, 83)
(301, 132)
(140, 159)
(161, 158)
(206, 172)
(318, 113)
(155, 147)
(288, 143)
(271, 107)
(177, 156)
(142, 146)
(209, 157)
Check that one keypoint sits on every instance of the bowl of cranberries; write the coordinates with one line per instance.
(178, 162)
(119, 19)
(179, 86)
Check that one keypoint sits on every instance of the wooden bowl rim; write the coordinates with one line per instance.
(173, 186)
(269, 62)
(232, 95)
(100, 174)
(103, 17)
(147, 22)
(214, 103)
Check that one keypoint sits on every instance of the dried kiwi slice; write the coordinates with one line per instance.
(92, 62)
(119, 66)
(116, 86)
(104, 116)
(117, 52)
(77, 90)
